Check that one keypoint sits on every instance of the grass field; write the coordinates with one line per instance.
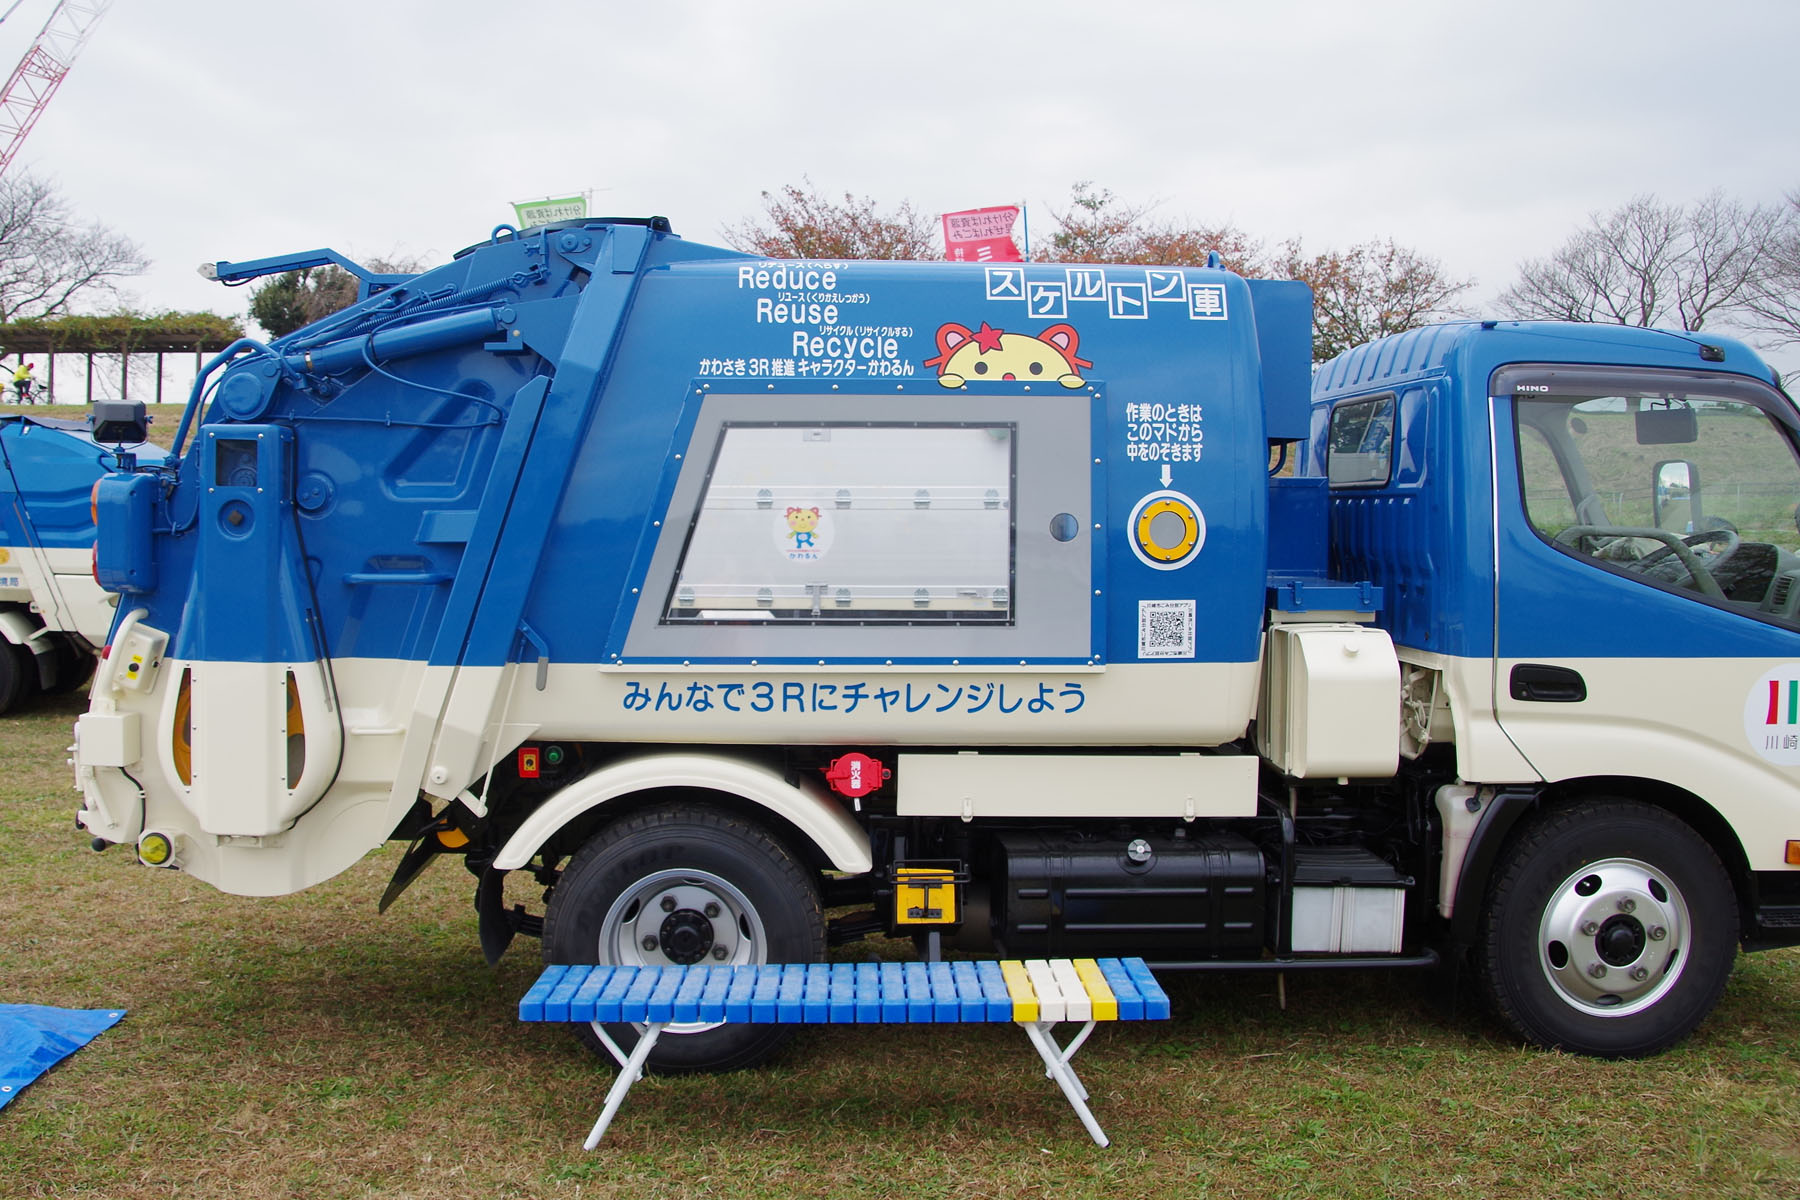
(307, 1047)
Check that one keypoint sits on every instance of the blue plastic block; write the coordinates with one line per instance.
(868, 994)
(893, 991)
(637, 997)
(556, 1007)
(686, 1005)
(788, 1010)
(737, 997)
(918, 993)
(970, 1004)
(943, 993)
(712, 997)
(531, 1005)
(816, 1005)
(581, 1004)
(1156, 1001)
(618, 983)
(764, 1000)
(842, 994)
(994, 991)
(662, 1000)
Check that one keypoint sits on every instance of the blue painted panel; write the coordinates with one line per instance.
(495, 470)
(51, 465)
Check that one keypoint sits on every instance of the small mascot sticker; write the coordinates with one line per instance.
(802, 534)
(990, 354)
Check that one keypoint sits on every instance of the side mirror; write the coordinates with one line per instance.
(1675, 496)
(120, 422)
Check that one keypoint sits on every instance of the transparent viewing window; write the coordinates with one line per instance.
(870, 524)
(1362, 442)
(1687, 490)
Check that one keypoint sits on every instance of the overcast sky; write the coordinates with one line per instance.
(1478, 134)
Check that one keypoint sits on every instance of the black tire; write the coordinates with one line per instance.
(74, 666)
(707, 886)
(1610, 930)
(18, 675)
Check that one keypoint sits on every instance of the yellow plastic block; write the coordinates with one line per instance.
(1106, 1005)
(1018, 986)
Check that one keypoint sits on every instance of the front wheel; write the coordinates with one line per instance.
(1610, 930)
(686, 884)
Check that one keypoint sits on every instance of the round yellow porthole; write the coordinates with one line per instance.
(1167, 530)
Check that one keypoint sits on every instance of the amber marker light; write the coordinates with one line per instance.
(1793, 854)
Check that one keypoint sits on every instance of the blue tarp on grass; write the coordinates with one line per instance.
(34, 1038)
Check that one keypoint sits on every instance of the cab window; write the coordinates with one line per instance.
(1685, 484)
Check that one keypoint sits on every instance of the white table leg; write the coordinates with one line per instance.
(629, 1073)
(1057, 1061)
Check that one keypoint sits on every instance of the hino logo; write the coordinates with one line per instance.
(1532, 387)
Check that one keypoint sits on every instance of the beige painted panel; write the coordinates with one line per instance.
(1054, 785)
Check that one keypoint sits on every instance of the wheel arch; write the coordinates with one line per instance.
(1505, 821)
(804, 809)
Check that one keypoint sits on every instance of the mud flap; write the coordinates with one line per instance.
(497, 926)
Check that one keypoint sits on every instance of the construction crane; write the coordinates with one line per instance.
(41, 71)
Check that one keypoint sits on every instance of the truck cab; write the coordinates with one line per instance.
(1587, 538)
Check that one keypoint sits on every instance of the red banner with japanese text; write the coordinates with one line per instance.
(981, 235)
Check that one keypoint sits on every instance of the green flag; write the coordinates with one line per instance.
(543, 212)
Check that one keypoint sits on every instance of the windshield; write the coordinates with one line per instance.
(1685, 487)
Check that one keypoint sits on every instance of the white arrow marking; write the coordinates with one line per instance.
(1167, 479)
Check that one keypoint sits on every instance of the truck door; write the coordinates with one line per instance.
(1648, 585)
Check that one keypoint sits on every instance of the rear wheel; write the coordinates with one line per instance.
(74, 666)
(686, 884)
(1610, 930)
(18, 675)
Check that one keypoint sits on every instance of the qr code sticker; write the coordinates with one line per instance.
(1165, 629)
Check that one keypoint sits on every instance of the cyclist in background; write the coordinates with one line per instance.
(24, 381)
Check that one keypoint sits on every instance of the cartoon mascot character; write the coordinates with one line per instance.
(965, 354)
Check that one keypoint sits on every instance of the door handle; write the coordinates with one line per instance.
(1547, 684)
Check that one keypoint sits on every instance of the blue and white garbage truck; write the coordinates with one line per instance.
(54, 617)
(687, 596)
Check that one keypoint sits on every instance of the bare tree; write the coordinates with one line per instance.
(1649, 263)
(1773, 306)
(1098, 227)
(1370, 291)
(800, 223)
(49, 260)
